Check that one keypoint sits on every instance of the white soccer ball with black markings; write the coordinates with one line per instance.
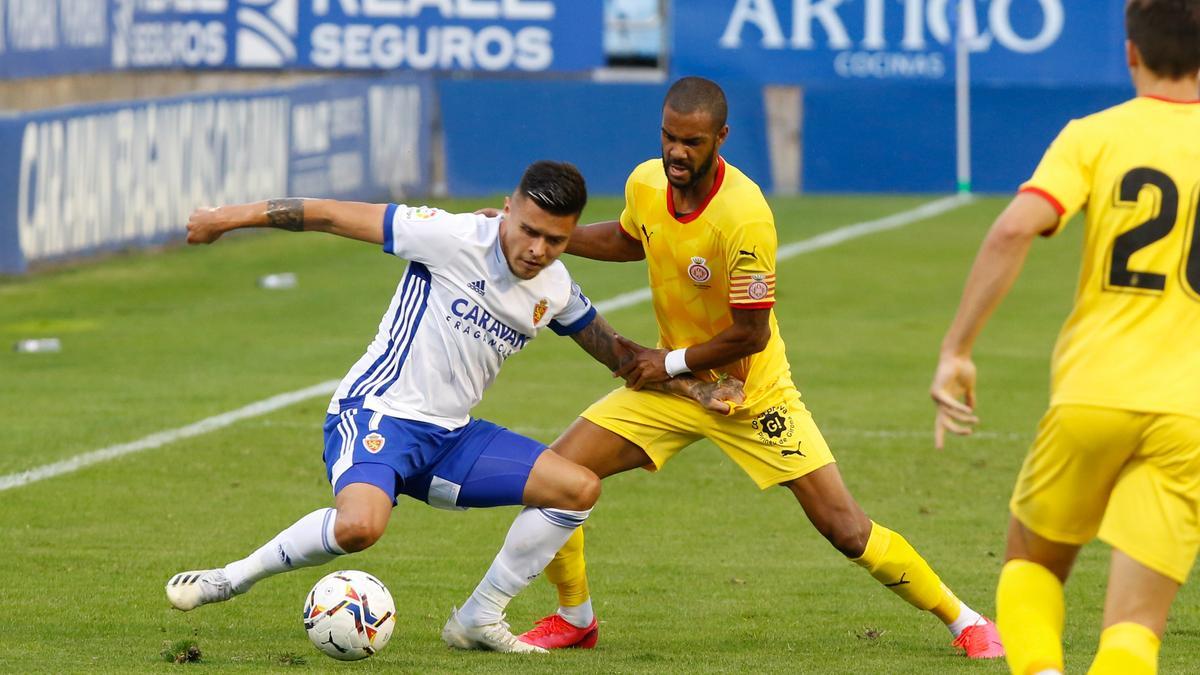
(349, 615)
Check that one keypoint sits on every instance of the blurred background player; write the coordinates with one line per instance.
(1118, 452)
(475, 291)
(709, 238)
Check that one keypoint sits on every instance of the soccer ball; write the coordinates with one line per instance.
(349, 615)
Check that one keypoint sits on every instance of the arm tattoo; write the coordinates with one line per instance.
(286, 214)
(599, 340)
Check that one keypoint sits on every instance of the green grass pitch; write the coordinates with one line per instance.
(693, 570)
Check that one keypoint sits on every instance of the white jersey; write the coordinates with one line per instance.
(458, 313)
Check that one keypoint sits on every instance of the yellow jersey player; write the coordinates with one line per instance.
(1118, 452)
(708, 236)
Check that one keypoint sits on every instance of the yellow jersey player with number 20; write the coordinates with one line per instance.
(1118, 452)
(709, 240)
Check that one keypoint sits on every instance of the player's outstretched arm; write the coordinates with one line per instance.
(353, 220)
(604, 344)
(604, 241)
(996, 268)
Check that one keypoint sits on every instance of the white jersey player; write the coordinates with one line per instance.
(476, 290)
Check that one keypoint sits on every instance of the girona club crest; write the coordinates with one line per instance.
(373, 442)
(698, 270)
(539, 310)
(758, 287)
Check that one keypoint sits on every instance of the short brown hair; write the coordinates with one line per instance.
(1166, 34)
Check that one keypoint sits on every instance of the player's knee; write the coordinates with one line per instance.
(848, 535)
(356, 532)
(585, 491)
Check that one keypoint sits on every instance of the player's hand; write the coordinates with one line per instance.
(721, 396)
(647, 366)
(953, 392)
(204, 226)
(488, 212)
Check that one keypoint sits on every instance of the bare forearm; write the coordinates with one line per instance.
(354, 220)
(604, 241)
(747, 335)
(599, 340)
(996, 268)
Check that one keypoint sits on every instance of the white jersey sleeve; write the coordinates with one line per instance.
(576, 315)
(425, 234)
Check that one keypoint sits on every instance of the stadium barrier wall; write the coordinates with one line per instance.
(855, 138)
(86, 179)
(878, 79)
(894, 137)
(493, 129)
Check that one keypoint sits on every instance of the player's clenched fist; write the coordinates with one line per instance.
(204, 226)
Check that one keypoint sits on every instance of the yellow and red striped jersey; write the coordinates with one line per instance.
(704, 264)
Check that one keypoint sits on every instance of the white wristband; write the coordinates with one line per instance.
(676, 362)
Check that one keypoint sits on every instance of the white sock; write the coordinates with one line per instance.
(580, 616)
(534, 538)
(967, 617)
(308, 542)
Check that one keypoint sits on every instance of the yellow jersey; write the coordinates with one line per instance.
(702, 264)
(1130, 341)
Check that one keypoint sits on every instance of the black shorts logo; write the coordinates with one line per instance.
(775, 426)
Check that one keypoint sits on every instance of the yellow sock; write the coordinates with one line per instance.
(893, 562)
(568, 572)
(1029, 614)
(1126, 649)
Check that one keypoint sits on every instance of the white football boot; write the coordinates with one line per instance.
(494, 637)
(189, 590)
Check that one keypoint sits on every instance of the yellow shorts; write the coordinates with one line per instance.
(773, 441)
(1133, 478)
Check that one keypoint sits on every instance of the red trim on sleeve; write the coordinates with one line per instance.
(708, 198)
(1047, 196)
(1172, 100)
(753, 305)
(628, 236)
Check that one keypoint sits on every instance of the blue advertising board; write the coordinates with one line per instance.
(52, 37)
(1020, 42)
(606, 129)
(49, 37)
(87, 179)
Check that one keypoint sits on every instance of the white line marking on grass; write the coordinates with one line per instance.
(162, 438)
(892, 222)
(821, 241)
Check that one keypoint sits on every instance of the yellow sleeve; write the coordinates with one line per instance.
(629, 226)
(750, 258)
(1064, 176)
